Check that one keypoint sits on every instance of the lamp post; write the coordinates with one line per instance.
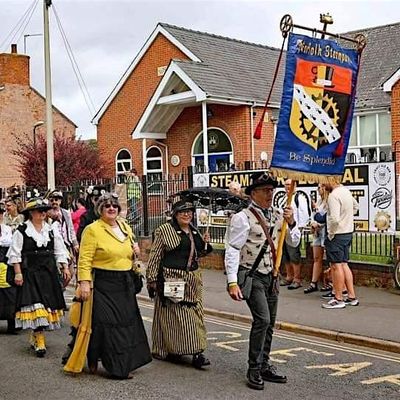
(37, 124)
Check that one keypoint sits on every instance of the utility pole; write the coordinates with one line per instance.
(49, 108)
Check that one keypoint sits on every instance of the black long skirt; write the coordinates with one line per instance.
(8, 298)
(118, 336)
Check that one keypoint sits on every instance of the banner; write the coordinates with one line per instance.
(316, 109)
(371, 184)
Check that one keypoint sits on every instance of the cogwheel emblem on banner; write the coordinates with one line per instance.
(306, 125)
(382, 221)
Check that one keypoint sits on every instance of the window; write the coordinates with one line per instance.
(154, 165)
(371, 137)
(123, 164)
(220, 155)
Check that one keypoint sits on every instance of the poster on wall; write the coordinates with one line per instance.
(372, 185)
(382, 207)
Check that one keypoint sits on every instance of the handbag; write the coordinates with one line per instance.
(138, 279)
(245, 282)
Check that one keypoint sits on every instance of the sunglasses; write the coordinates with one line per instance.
(109, 205)
(55, 199)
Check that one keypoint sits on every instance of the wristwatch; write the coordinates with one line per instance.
(292, 225)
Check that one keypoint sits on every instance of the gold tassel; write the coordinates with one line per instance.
(305, 177)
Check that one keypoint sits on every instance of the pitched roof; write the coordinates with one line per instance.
(379, 61)
(230, 68)
(238, 70)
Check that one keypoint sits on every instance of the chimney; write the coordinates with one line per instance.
(14, 68)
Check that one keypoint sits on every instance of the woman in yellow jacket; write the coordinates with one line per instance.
(106, 278)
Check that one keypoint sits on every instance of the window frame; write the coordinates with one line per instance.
(154, 171)
(121, 161)
(379, 147)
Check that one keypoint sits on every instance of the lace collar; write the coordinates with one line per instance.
(41, 238)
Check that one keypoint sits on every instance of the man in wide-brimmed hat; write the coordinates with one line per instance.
(253, 235)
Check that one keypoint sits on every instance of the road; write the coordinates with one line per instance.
(316, 369)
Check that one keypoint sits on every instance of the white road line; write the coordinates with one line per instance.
(300, 339)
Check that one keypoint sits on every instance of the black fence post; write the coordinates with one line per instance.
(190, 175)
(145, 199)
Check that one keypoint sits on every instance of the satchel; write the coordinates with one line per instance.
(174, 290)
(245, 282)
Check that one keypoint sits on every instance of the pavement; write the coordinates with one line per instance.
(374, 323)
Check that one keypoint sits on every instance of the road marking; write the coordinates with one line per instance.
(342, 369)
(289, 353)
(395, 379)
(315, 342)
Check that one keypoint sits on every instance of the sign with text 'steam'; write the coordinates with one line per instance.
(316, 108)
(371, 184)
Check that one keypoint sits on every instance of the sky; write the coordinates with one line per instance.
(106, 35)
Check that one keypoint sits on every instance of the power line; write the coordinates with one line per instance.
(75, 67)
(27, 22)
(26, 16)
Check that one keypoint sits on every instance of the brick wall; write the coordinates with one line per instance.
(233, 120)
(20, 108)
(14, 69)
(116, 125)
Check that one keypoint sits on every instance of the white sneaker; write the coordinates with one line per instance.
(351, 302)
(333, 304)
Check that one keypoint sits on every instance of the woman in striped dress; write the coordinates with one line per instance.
(178, 323)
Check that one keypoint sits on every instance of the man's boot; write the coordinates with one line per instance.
(254, 379)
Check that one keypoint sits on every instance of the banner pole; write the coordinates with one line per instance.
(282, 236)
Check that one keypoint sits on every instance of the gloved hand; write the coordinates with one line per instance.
(152, 289)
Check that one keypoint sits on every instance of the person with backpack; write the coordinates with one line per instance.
(291, 256)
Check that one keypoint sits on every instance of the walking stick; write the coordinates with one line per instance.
(282, 236)
(208, 222)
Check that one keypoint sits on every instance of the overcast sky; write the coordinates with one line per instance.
(106, 35)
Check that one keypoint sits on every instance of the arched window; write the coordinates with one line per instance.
(123, 164)
(220, 154)
(154, 166)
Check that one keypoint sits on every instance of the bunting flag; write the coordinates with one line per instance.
(316, 110)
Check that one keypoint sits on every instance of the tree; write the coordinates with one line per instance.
(74, 160)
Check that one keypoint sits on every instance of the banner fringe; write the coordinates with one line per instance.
(304, 176)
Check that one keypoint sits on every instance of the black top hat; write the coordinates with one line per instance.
(36, 204)
(182, 205)
(260, 178)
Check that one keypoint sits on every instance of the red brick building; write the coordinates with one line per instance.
(183, 83)
(21, 107)
(174, 90)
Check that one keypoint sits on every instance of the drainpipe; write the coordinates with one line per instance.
(166, 156)
(252, 130)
